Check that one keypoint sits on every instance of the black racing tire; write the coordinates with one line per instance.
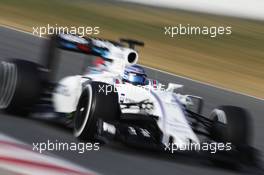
(20, 85)
(93, 105)
(231, 124)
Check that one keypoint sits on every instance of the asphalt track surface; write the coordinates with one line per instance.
(116, 159)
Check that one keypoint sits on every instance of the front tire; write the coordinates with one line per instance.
(231, 124)
(95, 104)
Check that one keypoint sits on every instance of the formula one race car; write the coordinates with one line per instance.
(102, 107)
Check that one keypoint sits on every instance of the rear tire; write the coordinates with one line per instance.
(21, 84)
(94, 105)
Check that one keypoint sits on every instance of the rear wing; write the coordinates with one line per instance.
(106, 49)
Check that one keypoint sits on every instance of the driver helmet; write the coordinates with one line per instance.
(135, 75)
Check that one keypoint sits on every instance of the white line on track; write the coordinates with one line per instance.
(204, 83)
(164, 72)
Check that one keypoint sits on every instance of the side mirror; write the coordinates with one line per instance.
(173, 86)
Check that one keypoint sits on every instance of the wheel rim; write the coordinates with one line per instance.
(8, 80)
(83, 112)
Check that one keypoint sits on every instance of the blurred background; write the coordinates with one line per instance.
(233, 61)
